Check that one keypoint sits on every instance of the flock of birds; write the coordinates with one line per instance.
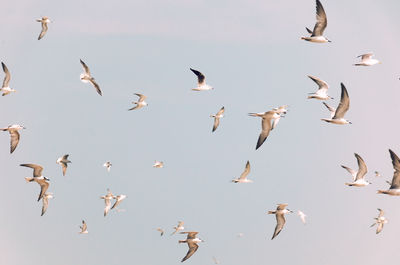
(269, 122)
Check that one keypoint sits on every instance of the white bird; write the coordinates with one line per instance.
(159, 229)
(359, 175)
(302, 216)
(280, 111)
(265, 124)
(118, 200)
(320, 25)
(14, 134)
(63, 162)
(5, 87)
(45, 200)
(280, 218)
(192, 241)
(366, 60)
(107, 200)
(322, 92)
(216, 117)
(44, 21)
(344, 105)
(83, 228)
(158, 164)
(380, 221)
(201, 81)
(243, 177)
(38, 178)
(140, 103)
(394, 189)
(178, 228)
(107, 165)
(86, 77)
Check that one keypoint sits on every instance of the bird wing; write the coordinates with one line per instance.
(84, 226)
(141, 97)
(396, 174)
(344, 104)
(246, 171)
(275, 122)
(192, 249)
(281, 206)
(379, 227)
(135, 107)
(64, 167)
(44, 185)
(85, 68)
(14, 140)
(280, 222)
(381, 212)
(221, 111)
(7, 76)
(216, 123)
(266, 128)
(93, 82)
(200, 77)
(366, 56)
(322, 21)
(351, 171)
(362, 167)
(321, 84)
(117, 202)
(45, 201)
(37, 170)
(44, 30)
(309, 30)
(331, 109)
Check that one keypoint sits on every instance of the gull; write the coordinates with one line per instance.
(265, 124)
(377, 174)
(302, 216)
(118, 199)
(358, 176)
(394, 189)
(38, 178)
(86, 77)
(179, 227)
(366, 60)
(83, 228)
(45, 200)
(14, 134)
(344, 105)
(5, 87)
(380, 220)
(280, 218)
(281, 110)
(140, 103)
(158, 164)
(44, 21)
(107, 165)
(242, 178)
(215, 260)
(322, 92)
(192, 241)
(201, 81)
(107, 200)
(216, 117)
(159, 229)
(63, 161)
(320, 25)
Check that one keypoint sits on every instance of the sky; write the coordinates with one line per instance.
(251, 53)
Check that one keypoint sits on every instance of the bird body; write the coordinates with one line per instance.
(216, 117)
(318, 31)
(322, 92)
(44, 21)
(379, 221)
(358, 176)
(366, 60)
(86, 77)
(243, 177)
(140, 103)
(201, 81)
(63, 161)
(192, 241)
(14, 134)
(280, 218)
(83, 228)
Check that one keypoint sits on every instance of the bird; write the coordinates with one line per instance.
(280, 111)
(216, 117)
(201, 81)
(192, 241)
(38, 178)
(86, 77)
(118, 199)
(83, 228)
(107, 200)
(366, 60)
(159, 229)
(280, 218)
(359, 175)
(63, 161)
(215, 260)
(14, 134)
(320, 25)
(394, 189)
(302, 216)
(322, 92)
(107, 165)
(158, 164)
(44, 21)
(45, 200)
(242, 178)
(380, 221)
(265, 124)
(377, 174)
(5, 88)
(344, 105)
(178, 228)
(141, 103)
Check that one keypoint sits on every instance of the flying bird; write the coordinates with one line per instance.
(63, 161)
(38, 178)
(344, 105)
(366, 60)
(45, 200)
(118, 200)
(14, 134)
(158, 164)
(216, 117)
(140, 103)
(302, 216)
(359, 175)
(394, 189)
(192, 241)
(5, 87)
(322, 92)
(107, 200)
(380, 221)
(243, 177)
(267, 117)
(377, 174)
(107, 165)
(201, 81)
(86, 77)
(320, 25)
(280, 218)
(178, 228)
(159, 229)
(83, 228)
(44, 21)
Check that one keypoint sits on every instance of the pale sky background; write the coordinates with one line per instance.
(251, 52)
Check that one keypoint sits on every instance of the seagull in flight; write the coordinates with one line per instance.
(380, 221)
(140, 103)
(201, 81)
(366, 60)
(377, 174)
(45, 200)
(394, 189)
(302, 216)
(107, 200)
(192, 241)
(5, 87)
(243, 177)
(178, 228)
(320, 25)
(280, 218)
(14, 134)
(44, 21)
(322, 92)
(158, 164)
(63, 161)
(344, 105)
(216, 117)
(358, 176)
(38, 178)
(86, 77)
(83, 228)
(107, 165)
(265, 124)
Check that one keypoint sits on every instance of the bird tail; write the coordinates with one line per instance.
(271, 212)
(381, 192)
(348, 184)
(182, 241)
(30, 179)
